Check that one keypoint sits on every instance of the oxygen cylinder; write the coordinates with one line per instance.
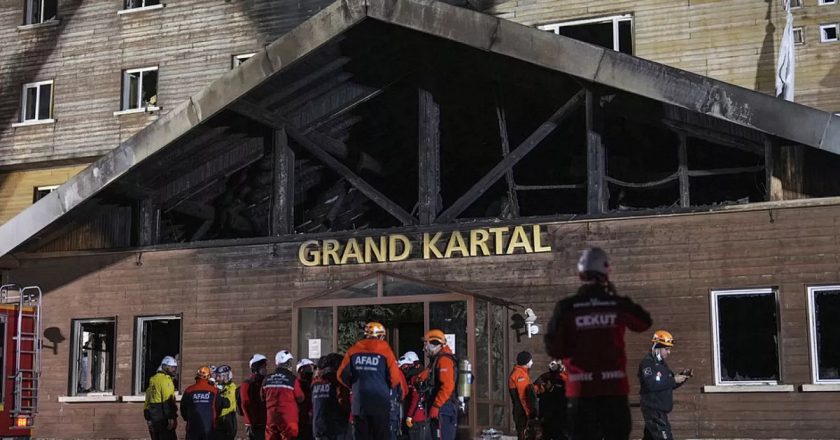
(465, 380)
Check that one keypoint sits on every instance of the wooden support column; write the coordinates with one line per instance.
(429, 157)
(148, 217)
(282, 196)
(685, 192)
(595, 155)
(768, 168)
(513, 200)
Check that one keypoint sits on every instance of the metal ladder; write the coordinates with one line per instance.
(27, 301)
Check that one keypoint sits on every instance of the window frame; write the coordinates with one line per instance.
(836, 27)
(812, 333)
(126, 90)
(615, 19)
(237, 60)
(801, 31)
(136, 360)
(144, 7)
(716, 355)
(27, 12)
(23, 101)
(38, 188)
(799, 4)
(75, 330)
(826, 2)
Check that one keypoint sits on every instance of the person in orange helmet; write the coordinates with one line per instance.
(524, 398)
(657, 383)
(441, 401)
(370, 370)
(201, 405)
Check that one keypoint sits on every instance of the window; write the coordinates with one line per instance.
(134, 4)
(93, 356)
(40, 11)
(795, 4)
(745, 329)
(828, 32)
(140, 89)
(826, 2)
(37, 102)
(154, 338)
(798, 36)
(239, 59)
(41, 191)
(614, 32)
(823, 310)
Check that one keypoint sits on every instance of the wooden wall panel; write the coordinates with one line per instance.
(17, 188)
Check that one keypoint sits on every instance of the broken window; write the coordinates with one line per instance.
(93, 356)
(829, 32)
(140, 89)
(36, 103)
(39, 11)
(41, 191)
(614, 32)
(239, 59)
(746, 337)
(823, 308)
(154, 338)
(133, 4)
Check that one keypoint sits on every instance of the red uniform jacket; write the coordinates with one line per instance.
(444, 376)
(522, 392)
(252, 406)
(415, 402)
(279, 391)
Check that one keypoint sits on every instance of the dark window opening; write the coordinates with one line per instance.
(40, 11)
(140, 88)
(826, 332)
(612, 33)
(93, 356)
(39, 192)
(131, 4)
(155, 338)
(748, 336)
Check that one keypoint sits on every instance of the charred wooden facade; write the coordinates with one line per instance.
(410, 120)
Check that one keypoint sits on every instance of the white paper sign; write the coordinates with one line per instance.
(450, 341)
(314, 348)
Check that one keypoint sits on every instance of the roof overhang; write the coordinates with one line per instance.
(787, 120)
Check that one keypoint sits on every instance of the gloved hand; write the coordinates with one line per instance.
(171, 424)
(409, 422)
(434, 413)
(248, 430)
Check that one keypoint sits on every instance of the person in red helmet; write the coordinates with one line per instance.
(657, 384)
(201, 405)
(370, 370)
(586, 332)
(252, 406)
(441, 375)
(279, 391)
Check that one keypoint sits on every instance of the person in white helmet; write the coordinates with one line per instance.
(280, 392)
(586, 332)
(305, 374)
(160, 409)
(252, 407)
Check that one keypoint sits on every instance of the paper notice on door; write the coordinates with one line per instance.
(314, 348)
(450, 341)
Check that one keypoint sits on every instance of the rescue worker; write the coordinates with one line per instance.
(586, 331)
(330, 401)
(415, 401)
(440, 376)
(252, 406)
(370, 370)
(524, 398)
(201, 405)
(305, 371)
(280, 392)
(226, 425)
(657, 383)
(551, 393)
(160, 409)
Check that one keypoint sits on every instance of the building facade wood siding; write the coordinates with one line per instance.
(17, 188)
(237, 300)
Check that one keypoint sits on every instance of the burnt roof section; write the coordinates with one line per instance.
(306, 50)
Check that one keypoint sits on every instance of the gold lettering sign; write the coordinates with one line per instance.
(503, 240)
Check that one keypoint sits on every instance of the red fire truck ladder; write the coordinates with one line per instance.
(27, 302)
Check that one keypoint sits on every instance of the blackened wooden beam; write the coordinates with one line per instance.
(768, 168)
(685, 191)
(283, 193)
(513, 200)
(595, 155)
(148, 222)
(429, 157)
(515, 156)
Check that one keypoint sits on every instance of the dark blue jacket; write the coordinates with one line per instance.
(657, 384)
(330, 407)
(370, 370)
(200, 406)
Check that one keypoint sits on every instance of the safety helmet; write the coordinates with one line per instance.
(256, 358)
(411, 357)
(282, 357)
(374, 329)
(663, 337)
(168, 361)
(304, 362)
(436, 335)
(593, 260)
(224, 373)
(203, 373)
(403, 361)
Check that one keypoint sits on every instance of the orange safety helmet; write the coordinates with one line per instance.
(663, 337)
(374, 329)
(203, 373)
(435, 335)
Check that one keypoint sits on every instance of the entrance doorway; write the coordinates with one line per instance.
(475, 326)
